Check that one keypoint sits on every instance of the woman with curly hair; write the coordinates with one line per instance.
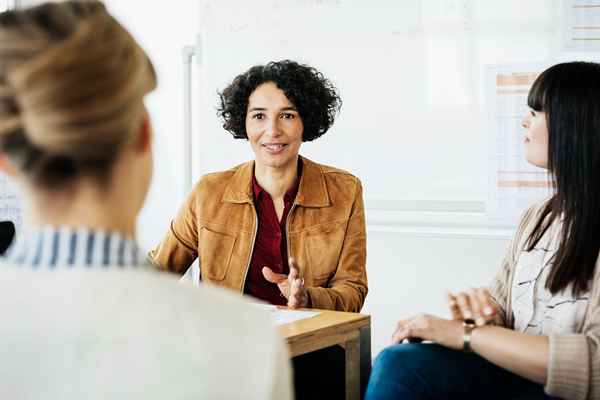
(281, 228)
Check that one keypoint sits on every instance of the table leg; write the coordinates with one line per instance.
(365, 358)
(353, 378)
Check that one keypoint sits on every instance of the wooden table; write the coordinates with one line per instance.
(350, 330)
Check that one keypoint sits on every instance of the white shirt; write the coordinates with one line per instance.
(536, 310)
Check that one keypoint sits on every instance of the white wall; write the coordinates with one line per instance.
(411, 273)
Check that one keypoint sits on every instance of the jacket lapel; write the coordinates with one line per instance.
(313, 188)
(239, 188)
(312, 191)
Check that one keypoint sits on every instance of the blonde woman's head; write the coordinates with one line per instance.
(72, 82)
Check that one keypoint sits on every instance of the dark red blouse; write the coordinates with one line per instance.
(270, 245)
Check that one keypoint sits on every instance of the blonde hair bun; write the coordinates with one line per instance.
(72, 80)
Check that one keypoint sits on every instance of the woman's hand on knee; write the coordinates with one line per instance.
(448, 333)
(475, 304)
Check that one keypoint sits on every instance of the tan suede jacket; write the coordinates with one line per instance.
(325, 230)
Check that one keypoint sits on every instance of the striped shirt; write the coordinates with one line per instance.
(50, 247)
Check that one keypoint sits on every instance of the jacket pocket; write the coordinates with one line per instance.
(215, 254)
(323, 253)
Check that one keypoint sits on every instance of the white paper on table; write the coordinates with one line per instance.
(285, 316)
(192, 274)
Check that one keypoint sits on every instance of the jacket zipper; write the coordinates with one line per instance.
(251, 247)
(287, 232)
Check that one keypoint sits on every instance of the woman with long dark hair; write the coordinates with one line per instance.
(536, 332)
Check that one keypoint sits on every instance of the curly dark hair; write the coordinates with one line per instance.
(315, 97)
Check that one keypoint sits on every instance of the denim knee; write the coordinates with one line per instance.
(396, 369)
(400, 359)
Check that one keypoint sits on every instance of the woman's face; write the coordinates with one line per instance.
(536, 138)
(274, 127)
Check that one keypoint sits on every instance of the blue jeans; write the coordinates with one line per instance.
(430, 371)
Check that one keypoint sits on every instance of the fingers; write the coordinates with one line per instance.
(415, 329)
(475, 304)
(453, 304)
(272, 276)
(401, 332)
(481, 307)
(294, 271)
(295, 293)
(297, 296)
(292, 263)
(425, 327)
(487, 307)
(294, 274)
(464, 305)
(476, 307)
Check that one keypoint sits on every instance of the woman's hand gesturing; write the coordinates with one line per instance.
(291, 286)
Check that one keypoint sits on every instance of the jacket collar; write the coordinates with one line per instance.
(312, 191)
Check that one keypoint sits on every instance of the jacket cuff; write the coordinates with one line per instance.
(318, 298)
(568, 367)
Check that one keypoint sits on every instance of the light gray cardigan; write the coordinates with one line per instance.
(574, 365)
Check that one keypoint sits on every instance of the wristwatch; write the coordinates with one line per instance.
(468, 325)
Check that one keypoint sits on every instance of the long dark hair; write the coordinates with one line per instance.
(569, 95)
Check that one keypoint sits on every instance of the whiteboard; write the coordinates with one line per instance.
(411, 75)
